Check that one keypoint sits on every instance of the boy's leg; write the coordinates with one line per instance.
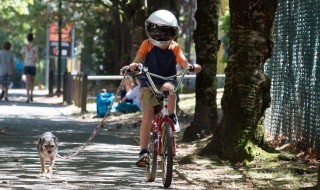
(168, 86)
(145, 127)
(147, 101)
(144, 136)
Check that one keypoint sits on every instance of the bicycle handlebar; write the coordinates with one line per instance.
(144, 71)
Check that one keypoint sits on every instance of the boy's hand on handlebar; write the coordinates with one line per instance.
(134, 66)
(196, 68)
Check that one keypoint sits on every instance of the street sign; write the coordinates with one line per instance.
(66, 40)
(65, 49)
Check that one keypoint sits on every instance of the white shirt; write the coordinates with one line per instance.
(134, 96)
(30, 52)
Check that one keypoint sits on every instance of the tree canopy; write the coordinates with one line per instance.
(19, 6)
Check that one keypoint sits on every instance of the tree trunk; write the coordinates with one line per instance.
(318, 184)
(136, 13)
(247, 89)
(170, 5)
(117, 40)
(205, 37)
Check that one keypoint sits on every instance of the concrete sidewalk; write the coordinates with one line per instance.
(107, 163)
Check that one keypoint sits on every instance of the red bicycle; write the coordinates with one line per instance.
(162, 141)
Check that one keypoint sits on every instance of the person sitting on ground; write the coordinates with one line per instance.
(133, 95)
(127, 86)
(6, 69)
(160, 53)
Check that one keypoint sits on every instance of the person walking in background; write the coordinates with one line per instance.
(6, 69)
(30, 59)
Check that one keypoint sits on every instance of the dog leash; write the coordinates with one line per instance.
(97, 128)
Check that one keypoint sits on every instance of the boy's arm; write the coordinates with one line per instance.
(186, 64)
(145, 47)
(182, 61)
(136, 61)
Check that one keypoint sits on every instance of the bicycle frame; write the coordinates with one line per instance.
(159, 121)
(164, 116)
(162, 142)
(154, 88)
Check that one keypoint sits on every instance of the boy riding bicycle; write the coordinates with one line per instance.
(161, 54)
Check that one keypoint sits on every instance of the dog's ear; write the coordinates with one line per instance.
(56, 141)
(40, 143)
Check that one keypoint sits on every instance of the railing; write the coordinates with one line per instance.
(75, 87)
(75, 90)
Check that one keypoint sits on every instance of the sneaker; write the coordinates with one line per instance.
(175, 121)
(6, 99)
(28, 101)
(143, 160)
(31, 99)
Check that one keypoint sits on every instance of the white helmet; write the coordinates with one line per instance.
(161, 27)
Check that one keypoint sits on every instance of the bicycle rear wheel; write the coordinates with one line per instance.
(166, 154)
(151, 169)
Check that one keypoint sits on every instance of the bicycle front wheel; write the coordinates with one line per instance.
(151, 169)
(166, 154)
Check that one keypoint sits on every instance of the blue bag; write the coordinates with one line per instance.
(103, 101)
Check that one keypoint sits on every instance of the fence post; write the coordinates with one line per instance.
(51, 82)
(67, 88)
(84, 92)
(73, 84)
(76, 97)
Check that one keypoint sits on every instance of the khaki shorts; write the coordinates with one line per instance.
(147, 98)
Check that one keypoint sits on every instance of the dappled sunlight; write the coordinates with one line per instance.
(107, 161)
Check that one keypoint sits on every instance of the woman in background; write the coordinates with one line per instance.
(30, 59)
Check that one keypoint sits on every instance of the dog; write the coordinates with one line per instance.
(47, 149)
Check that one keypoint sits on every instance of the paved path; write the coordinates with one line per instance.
(107, 163)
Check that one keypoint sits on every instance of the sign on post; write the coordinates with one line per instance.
(66, 40)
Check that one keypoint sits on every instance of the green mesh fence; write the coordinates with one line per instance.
(294, 69)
